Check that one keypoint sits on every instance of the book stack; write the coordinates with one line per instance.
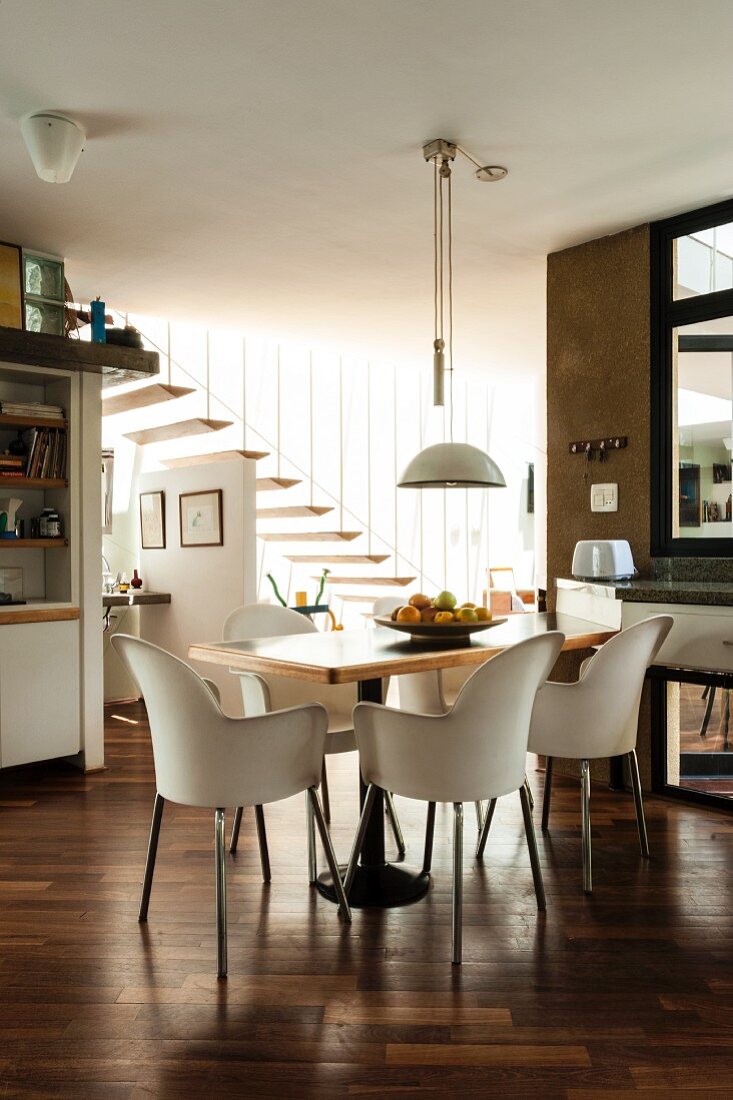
(31, 409)
(46, 452)
(12, 465)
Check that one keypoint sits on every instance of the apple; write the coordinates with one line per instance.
(445, 601)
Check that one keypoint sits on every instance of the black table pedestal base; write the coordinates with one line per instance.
(384, 886)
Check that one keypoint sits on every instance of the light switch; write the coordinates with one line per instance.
(604, 498)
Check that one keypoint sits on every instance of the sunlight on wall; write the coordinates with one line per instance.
(345, 428)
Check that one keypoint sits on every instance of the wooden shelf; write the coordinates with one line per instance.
(33, 482)
(33, 544)
(31, 422)
(114, 362)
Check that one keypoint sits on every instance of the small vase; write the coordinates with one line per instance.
(136, 581)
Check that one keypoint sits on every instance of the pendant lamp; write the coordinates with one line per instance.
(448, 465)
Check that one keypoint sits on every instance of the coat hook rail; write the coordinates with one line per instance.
(590, 447)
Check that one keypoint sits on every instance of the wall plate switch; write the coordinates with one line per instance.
(604, 498)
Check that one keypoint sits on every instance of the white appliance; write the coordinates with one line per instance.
(603, 559)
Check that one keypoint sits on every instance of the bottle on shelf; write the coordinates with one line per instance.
(136, 581)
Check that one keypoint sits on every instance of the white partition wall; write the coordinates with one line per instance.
(205, 582)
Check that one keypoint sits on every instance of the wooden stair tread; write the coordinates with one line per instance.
(212, 456)
(142, 398)
(293, 511)
(182, 428)
(391, 582)
(270, 484)
(338, 559)
(308, 536)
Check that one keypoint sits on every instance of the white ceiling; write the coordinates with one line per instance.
(256, 162)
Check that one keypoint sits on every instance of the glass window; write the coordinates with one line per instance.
(703, 429)
(703, 262)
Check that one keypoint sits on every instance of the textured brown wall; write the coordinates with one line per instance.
(598, 384)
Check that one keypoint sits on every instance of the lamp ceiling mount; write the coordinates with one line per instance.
(442, 151)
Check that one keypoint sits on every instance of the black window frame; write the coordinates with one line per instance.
(666, 315)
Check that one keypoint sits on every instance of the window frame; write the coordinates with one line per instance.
(666, 315)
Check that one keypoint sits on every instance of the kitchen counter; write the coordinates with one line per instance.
(136, 598)
(710, 593)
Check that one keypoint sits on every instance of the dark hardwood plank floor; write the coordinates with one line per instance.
(627, 993)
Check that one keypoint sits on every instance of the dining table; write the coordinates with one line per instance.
(367, 657)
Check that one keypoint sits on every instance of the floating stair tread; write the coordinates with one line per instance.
(308, 536)
(293, 511)
(179, 430)
(390, 582)
(270, 484)
(354, 597)
(338, 559)
(142, 398)
(212, 456)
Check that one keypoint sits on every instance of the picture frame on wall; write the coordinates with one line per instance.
(152, 520)
(201, 518)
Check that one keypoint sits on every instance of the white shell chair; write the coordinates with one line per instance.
(476, 751)
(204, 758)
(261, 694)
(422, 693)
(597, 717)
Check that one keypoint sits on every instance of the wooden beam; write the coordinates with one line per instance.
(39, 349)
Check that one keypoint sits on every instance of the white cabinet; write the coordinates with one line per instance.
(701, 637)
(39, 691)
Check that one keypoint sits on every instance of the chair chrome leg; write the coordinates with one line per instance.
(479, 807)
(585, 803)
(534, 856)
(310, 826)
(547, 796)
(330, 854)
(150, 860)
(638, 803)
(530, 795)
(234, 839)
(359, 838)
(221, 895)
(458, 883)
(395, 823)
(427, 862)
(324, 793)
(480, 847)
(262, 839)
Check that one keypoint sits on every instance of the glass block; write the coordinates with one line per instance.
(44, 317)
(44, 278)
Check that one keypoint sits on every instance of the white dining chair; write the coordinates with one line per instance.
(204, 758)
(261, 694)
(597, 717)
(476, 751)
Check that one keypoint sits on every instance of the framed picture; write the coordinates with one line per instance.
(201, 518)
(11, 305)
(152, 521)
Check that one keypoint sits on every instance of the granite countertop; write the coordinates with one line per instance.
(657, 590)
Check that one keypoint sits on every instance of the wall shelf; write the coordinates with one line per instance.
(33, 482)
(31, 422)
(33, 544)
(114, 362)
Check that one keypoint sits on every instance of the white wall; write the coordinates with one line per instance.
(205, 582)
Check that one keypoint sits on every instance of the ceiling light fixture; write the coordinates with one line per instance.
(449, 465)
(55, 144)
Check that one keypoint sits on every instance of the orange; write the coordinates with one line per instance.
(408, 614)
(483, 614)
(420, 600)
(444, 617)
(467, 615)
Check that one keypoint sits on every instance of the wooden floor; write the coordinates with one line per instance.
(625, 994)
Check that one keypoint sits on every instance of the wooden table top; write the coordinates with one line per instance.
(349, 656)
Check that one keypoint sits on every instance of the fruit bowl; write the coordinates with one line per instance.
(444, 634)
